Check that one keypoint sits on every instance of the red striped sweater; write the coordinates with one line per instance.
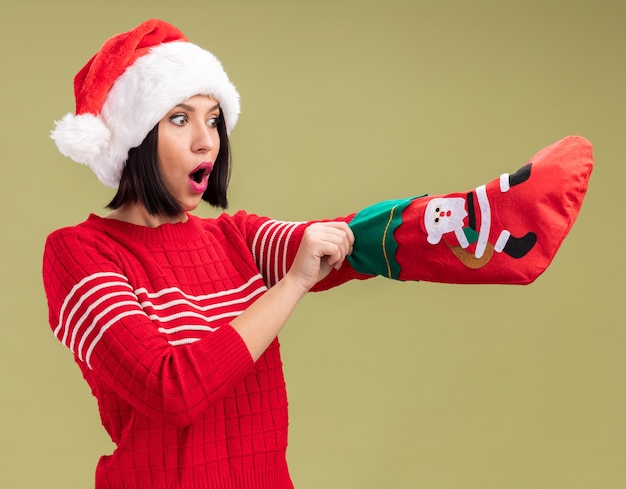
(146, 315)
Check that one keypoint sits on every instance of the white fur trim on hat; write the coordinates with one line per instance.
(167, 75)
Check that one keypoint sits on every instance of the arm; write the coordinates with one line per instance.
(274, 245)
(95, 312)
(322, 249)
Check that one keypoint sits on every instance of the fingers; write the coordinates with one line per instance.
(335, 241)
(324, 246)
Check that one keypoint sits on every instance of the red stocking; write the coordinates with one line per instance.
(504, 232)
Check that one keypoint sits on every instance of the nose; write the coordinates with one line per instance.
(205, 139)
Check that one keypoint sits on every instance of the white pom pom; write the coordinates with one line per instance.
(81, 137)
(85, 139)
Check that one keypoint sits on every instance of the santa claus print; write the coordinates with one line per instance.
(466, 223)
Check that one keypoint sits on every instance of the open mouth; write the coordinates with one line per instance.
(201, 172)
(198, 175)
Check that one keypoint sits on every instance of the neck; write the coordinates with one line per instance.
(137, 214)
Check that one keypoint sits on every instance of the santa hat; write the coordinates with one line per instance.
(128, 86)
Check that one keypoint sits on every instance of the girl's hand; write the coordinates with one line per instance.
(324, 246)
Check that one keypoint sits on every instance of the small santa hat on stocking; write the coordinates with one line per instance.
(128, 86)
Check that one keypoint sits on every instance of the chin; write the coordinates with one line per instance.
(190, 206)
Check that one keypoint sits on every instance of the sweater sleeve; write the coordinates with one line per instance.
(274, 245)
(93, 310)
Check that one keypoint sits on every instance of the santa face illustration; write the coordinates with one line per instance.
(444, 215)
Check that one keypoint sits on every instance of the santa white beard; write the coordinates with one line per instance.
(445, 215)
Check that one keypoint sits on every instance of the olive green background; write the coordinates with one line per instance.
(346, 103)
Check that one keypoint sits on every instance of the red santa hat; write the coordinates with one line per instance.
(128, 86)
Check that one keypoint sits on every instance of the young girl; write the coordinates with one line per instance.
(174, 319)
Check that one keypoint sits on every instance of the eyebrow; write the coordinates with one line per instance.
(192, 109)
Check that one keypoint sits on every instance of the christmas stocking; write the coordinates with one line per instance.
(504, 232)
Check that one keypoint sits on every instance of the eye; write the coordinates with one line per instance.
(179, 119)
(436, 219)
(213, 122)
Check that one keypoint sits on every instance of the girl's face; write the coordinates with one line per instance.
(188, 145)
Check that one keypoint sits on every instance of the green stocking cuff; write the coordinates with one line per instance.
(374, 244)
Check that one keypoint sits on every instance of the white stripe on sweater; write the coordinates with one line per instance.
(273, 252)
(189, 314)
(103, 330)
(184, 341)
(281, 252)
(102, 299)
(73, 291)
(256, 238)
(100, 305)
(178, 302)
(287, 239)
(262, 249)
(215, 295)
